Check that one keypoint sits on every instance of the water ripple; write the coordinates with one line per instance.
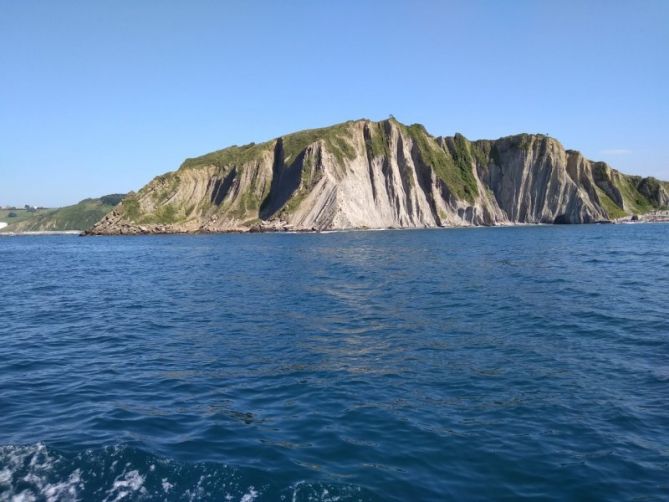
(425, 365)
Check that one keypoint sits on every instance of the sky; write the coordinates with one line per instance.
(100, 97)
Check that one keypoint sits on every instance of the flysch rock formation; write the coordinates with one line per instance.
(366, 174)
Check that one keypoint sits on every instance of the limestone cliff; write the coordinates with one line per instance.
(365, 174)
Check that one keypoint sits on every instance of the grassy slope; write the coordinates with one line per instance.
(229, 157)
(293, 144)
(76, 217)
(21, 215)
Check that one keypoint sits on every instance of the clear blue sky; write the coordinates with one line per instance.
(101, 96)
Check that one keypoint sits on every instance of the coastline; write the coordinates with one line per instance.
(368, 229)
(661, 217)
(42, 232)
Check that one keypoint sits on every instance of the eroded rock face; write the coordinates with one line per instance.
(365, 174)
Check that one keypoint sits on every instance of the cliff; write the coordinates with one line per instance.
(365, 174)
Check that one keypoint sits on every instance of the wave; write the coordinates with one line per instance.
(115, 473)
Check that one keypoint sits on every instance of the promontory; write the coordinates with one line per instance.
(367, 174)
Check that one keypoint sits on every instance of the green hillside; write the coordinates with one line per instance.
(76, 217)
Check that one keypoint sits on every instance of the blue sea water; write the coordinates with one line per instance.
(488, 363)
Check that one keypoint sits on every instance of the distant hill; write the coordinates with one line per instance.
(76, 217)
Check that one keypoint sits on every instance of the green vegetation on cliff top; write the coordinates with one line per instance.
(230, 156)
(335, 137)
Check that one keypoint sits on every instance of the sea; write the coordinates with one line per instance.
(453, 364)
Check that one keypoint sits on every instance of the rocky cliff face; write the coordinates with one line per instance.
(365, 174)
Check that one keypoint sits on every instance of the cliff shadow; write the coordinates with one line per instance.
(222, 187)
(285, 181)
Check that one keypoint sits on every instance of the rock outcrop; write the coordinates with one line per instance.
(365, 174)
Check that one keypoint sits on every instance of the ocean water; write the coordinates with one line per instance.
(464, 364)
